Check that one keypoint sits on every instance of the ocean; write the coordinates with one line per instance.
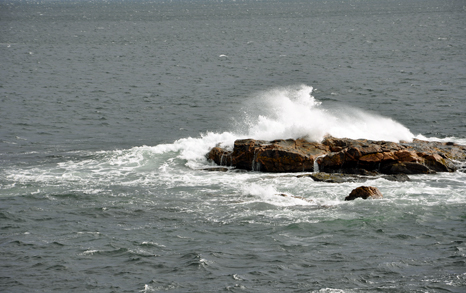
(107, 109)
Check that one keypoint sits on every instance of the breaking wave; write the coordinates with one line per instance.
(293, 112)
(289, 112)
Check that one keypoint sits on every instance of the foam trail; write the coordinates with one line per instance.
(271, 195)
(193, 150)
(294, 113)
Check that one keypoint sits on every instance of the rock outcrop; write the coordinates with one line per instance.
(341, 155)
(419, 157)
(270, 156)
(365, 192)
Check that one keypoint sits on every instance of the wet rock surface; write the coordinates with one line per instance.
(341, 155)
(270, 156)
(365, 192)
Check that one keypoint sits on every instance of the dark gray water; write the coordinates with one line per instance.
(107, 110)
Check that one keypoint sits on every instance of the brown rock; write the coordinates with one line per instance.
(365, 192)
(341, 155)
(336, 177)
(376, 157)
(407, 156)
(437, 163)
(407, 168)
(274, 156)
(244, 153)
(219, 156)
(418, 157)
(389, 156)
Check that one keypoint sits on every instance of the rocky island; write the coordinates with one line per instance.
(341, 155)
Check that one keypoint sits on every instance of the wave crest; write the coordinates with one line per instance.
(292, 112)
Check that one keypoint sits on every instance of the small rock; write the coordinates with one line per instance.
(365, 192)
(217, 169)
(336, 177)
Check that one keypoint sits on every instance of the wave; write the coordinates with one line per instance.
(279, 113)
(292, 112)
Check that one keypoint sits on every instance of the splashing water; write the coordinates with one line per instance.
(289, 112)
(294, 113)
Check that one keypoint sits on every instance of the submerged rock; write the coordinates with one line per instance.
(365, 192)
(341, 155)
(335, 177)
(341, 178)
(217, 169)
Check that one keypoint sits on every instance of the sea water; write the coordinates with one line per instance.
(108, 108)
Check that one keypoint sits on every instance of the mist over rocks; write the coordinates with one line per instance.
(341, 155)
